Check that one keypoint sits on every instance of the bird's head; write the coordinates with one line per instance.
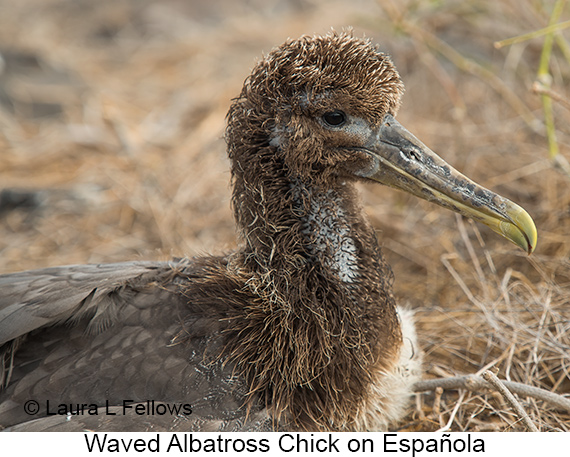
(323, 109)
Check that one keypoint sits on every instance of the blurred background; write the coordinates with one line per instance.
(112, 114)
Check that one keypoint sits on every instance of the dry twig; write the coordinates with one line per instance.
(477, 384)
(510, 398)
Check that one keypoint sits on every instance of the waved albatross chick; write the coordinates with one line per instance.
(295, 330)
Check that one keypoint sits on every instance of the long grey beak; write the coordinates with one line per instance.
(404, 162)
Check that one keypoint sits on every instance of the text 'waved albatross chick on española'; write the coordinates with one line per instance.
(297, 329)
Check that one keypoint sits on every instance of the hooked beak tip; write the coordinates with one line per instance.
(521, 230)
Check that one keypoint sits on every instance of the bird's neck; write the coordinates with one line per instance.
(321, 295)
(298, 227)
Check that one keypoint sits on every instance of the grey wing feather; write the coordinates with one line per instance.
(139, 302)
(37, 298)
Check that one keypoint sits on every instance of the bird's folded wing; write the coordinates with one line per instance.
(37, 298)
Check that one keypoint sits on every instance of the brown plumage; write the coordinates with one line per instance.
(298, 328)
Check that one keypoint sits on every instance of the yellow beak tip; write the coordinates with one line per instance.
(521, 230)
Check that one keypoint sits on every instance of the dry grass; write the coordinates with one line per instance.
(112, 113)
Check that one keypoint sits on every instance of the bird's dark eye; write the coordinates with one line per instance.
(334, 118)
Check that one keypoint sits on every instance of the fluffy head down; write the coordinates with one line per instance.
(314, 71)
(282, 102)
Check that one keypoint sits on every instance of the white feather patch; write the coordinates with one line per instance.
(327, 231)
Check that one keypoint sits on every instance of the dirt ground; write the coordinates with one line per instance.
(112, 115)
